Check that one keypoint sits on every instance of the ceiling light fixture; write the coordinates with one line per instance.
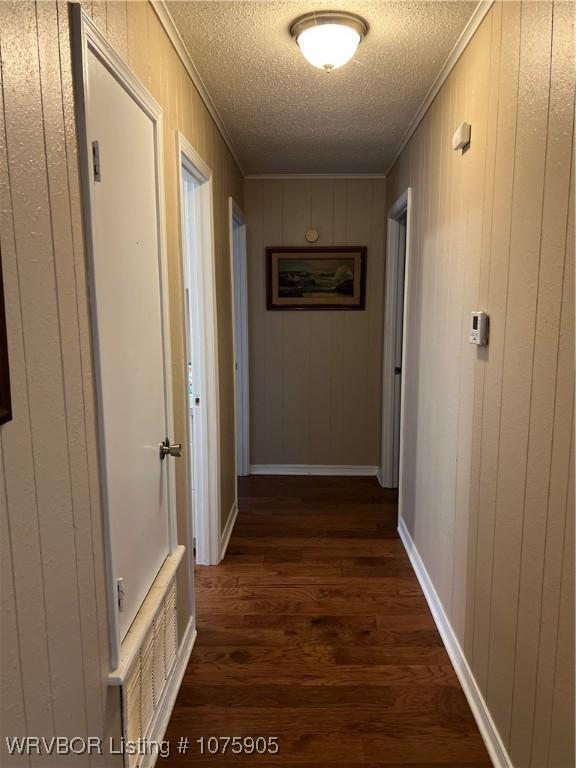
(328, 39)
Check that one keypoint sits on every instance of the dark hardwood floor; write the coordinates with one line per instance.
(314, 629)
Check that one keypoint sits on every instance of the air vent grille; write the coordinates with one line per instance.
(145, 685)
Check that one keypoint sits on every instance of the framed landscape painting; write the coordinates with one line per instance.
(316, 278)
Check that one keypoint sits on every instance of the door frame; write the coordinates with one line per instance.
(87, 38)
(239, 286)
(202, 350)
(403, 205)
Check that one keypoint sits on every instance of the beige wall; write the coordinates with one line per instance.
(315, 376)
(489, 482)
(54, 628)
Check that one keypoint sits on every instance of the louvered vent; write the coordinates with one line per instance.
(171, 630)
(145, 684)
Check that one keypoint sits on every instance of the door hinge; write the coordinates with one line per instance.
(120, 594)
(96, 161)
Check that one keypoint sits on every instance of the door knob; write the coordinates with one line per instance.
(170, 450)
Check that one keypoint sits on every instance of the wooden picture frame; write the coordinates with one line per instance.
(314, 278)
(5, 399)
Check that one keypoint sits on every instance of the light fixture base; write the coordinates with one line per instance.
(315, 18)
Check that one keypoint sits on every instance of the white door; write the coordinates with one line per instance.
(397, 243)
(240, 288)
(190, 237)
(398, 344)
(132, 356)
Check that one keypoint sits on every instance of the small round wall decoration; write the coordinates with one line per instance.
(312, 235)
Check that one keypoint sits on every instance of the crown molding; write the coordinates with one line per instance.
(169, 25)
(459, 47)
(293, 176)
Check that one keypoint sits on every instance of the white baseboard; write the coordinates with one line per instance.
(335, 470)
(486, 725)
(227, 532)
(160, 723)
(385, 480)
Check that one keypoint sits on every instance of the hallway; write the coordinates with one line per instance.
(314, 629)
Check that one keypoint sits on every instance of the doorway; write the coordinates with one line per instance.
(393, 374)
(241, 358)
(196, 216)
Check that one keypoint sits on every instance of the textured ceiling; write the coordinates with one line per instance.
(284, 116)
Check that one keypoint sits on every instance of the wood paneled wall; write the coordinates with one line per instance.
(489, 466)
(315, 377)
(54, 629)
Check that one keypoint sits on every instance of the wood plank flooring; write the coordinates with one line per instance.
(314, 629)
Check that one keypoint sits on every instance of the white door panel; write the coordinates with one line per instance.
(128, 309)
(398, 346)
(239, 279)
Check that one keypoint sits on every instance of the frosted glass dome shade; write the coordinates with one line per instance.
(328, 46)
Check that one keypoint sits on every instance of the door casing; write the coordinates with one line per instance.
(239, 289)
(389, 460)
(202, 350)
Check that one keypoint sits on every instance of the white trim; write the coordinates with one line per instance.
(175, 37)
(402, 204)
(165, 18)
(388, 459)
(134, 640)
(459, 47)
(405, 344)
(227, 532)
(85, 37)
(486, 725)
(203, 351)
(163, 713)
(199, 167)
(237, 211)
(239, 292)
(291, 176)
(335, 470)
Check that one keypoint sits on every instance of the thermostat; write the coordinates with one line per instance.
(478, 328)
